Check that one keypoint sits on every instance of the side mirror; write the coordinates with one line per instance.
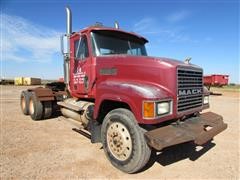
(64, 44)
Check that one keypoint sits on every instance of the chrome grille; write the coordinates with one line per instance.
(190, 88)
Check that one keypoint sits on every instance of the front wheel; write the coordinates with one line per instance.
(123, 141)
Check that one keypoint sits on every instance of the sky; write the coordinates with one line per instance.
(207, 31)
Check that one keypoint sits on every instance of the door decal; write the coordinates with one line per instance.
(79, 76)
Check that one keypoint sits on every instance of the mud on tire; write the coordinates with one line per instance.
(122, 121)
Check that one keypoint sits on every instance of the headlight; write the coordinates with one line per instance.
(206, 100)
(163, 107)
(154, 109)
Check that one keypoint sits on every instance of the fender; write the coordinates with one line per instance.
(131, 93)
(43, 94)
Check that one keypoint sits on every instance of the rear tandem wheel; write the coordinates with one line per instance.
(24, 102)
(39, 110)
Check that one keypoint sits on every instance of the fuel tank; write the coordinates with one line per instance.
(78, 110)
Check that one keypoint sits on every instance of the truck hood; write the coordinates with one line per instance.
(147, 60)
(172, 62)
(143, 61)
(157, 71)
(141, 78)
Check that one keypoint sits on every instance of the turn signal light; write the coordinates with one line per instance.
(148, 109)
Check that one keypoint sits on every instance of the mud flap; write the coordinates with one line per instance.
(95, 129)
(199, 129)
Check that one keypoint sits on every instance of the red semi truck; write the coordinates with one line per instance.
(128, 101)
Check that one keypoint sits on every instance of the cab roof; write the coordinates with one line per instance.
(103, 28)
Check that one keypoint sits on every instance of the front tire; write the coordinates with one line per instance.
(123, 141)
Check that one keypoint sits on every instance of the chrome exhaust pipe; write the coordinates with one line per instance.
(67, 55)
(69, 20)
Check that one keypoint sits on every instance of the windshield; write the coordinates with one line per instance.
(111, 42)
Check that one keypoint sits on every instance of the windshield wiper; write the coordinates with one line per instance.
(130, 48)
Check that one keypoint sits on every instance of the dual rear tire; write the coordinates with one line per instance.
(30, 105)
(24, 102)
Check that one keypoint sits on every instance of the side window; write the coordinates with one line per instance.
(81, 48)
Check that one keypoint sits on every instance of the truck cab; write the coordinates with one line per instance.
(130, 102)
(86, 48)
(111, 64)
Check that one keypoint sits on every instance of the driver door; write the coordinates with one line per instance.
(81, 66)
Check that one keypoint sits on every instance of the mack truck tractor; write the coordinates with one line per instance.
(132, 103)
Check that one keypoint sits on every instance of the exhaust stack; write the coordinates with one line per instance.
(69, 20)
(66, 64)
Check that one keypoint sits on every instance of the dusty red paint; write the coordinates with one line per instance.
(137, 78)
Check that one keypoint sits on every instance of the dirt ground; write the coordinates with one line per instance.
(49, 149)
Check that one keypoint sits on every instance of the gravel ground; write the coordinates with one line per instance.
(49, 149)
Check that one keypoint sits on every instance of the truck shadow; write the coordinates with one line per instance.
(177, 153)
(54, 115)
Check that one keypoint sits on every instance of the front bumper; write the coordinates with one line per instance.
(198, 129)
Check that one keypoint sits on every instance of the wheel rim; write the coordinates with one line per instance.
(119, 141)
(23, 103)
(31, 107)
